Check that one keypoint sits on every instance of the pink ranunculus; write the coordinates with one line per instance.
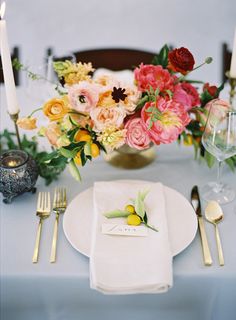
(187, 95)
(219, 110)
(219, 102)
(172, 120)
(83, 97)
(148, 76)
(137, 136)
(104, 117)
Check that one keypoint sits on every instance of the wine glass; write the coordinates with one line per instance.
(42, 80)
(219, 139)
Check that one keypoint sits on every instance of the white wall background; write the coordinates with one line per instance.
(200, 25)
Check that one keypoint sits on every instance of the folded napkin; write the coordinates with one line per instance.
(127, 264)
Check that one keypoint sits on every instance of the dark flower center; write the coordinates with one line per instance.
(82, 98)
(118, 94)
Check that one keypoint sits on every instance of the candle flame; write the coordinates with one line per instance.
(2, 9)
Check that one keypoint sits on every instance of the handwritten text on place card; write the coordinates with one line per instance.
(124, 230)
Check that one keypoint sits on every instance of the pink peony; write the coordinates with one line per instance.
(148, 76)
(84, 96)
(187, 95)
(172, 120)
(104, 117)
(137, 136)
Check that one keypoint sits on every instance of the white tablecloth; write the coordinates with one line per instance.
(61, 291)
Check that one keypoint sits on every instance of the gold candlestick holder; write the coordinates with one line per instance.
(232, 92)
(14, 118)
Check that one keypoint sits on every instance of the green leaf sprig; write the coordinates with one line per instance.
(139, 210)
(50, 164)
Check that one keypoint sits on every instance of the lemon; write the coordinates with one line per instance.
(77, 159)
(130, 208)
(82, 135)
(95, 151)
(133, 220)
(188, 140)
(86, 137)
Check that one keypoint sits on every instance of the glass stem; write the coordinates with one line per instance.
(219, 183)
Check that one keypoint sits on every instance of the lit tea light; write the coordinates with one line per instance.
(13, 160)
(12, 163)
(19, 173)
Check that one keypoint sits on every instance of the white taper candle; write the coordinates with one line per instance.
(12, 104)
(233, 59)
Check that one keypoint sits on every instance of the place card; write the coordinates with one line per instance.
(124, 230)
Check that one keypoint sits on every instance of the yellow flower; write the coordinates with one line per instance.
(27, 123)
(73, 72)
(56, 109)
(111, 138)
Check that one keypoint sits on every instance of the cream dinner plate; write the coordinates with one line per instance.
(182, 221)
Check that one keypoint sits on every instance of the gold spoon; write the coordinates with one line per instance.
(214, 214)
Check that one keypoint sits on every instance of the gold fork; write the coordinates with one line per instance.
(43, 212)
(59, 207)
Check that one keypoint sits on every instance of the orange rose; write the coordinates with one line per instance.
(27, 123)
(56, 109)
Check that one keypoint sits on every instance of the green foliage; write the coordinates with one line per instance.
(210, 159)
(162, 57)
(16, 64)
(74, 170)
(231, 162)
(206, 96)
(116, 214)
(50, 164)
(139, 204)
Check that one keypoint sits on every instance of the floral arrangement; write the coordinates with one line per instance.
(91, 114)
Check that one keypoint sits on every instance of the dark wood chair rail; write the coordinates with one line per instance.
(112, 58)
(226, 60)
(15, 54)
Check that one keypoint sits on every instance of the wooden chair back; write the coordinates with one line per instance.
(15, 54)
(226, 60)
(112, 58)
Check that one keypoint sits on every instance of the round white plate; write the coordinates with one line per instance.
(182, 221)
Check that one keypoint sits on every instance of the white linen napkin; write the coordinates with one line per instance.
(126, 264)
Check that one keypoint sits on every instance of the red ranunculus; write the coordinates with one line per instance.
(180, 60)
(212, 90)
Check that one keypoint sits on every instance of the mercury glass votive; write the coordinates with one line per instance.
(18, 174)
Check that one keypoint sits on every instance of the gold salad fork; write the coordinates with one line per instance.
(43, 212)
(59, 207)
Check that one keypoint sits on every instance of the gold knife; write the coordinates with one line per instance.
(195, 200)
